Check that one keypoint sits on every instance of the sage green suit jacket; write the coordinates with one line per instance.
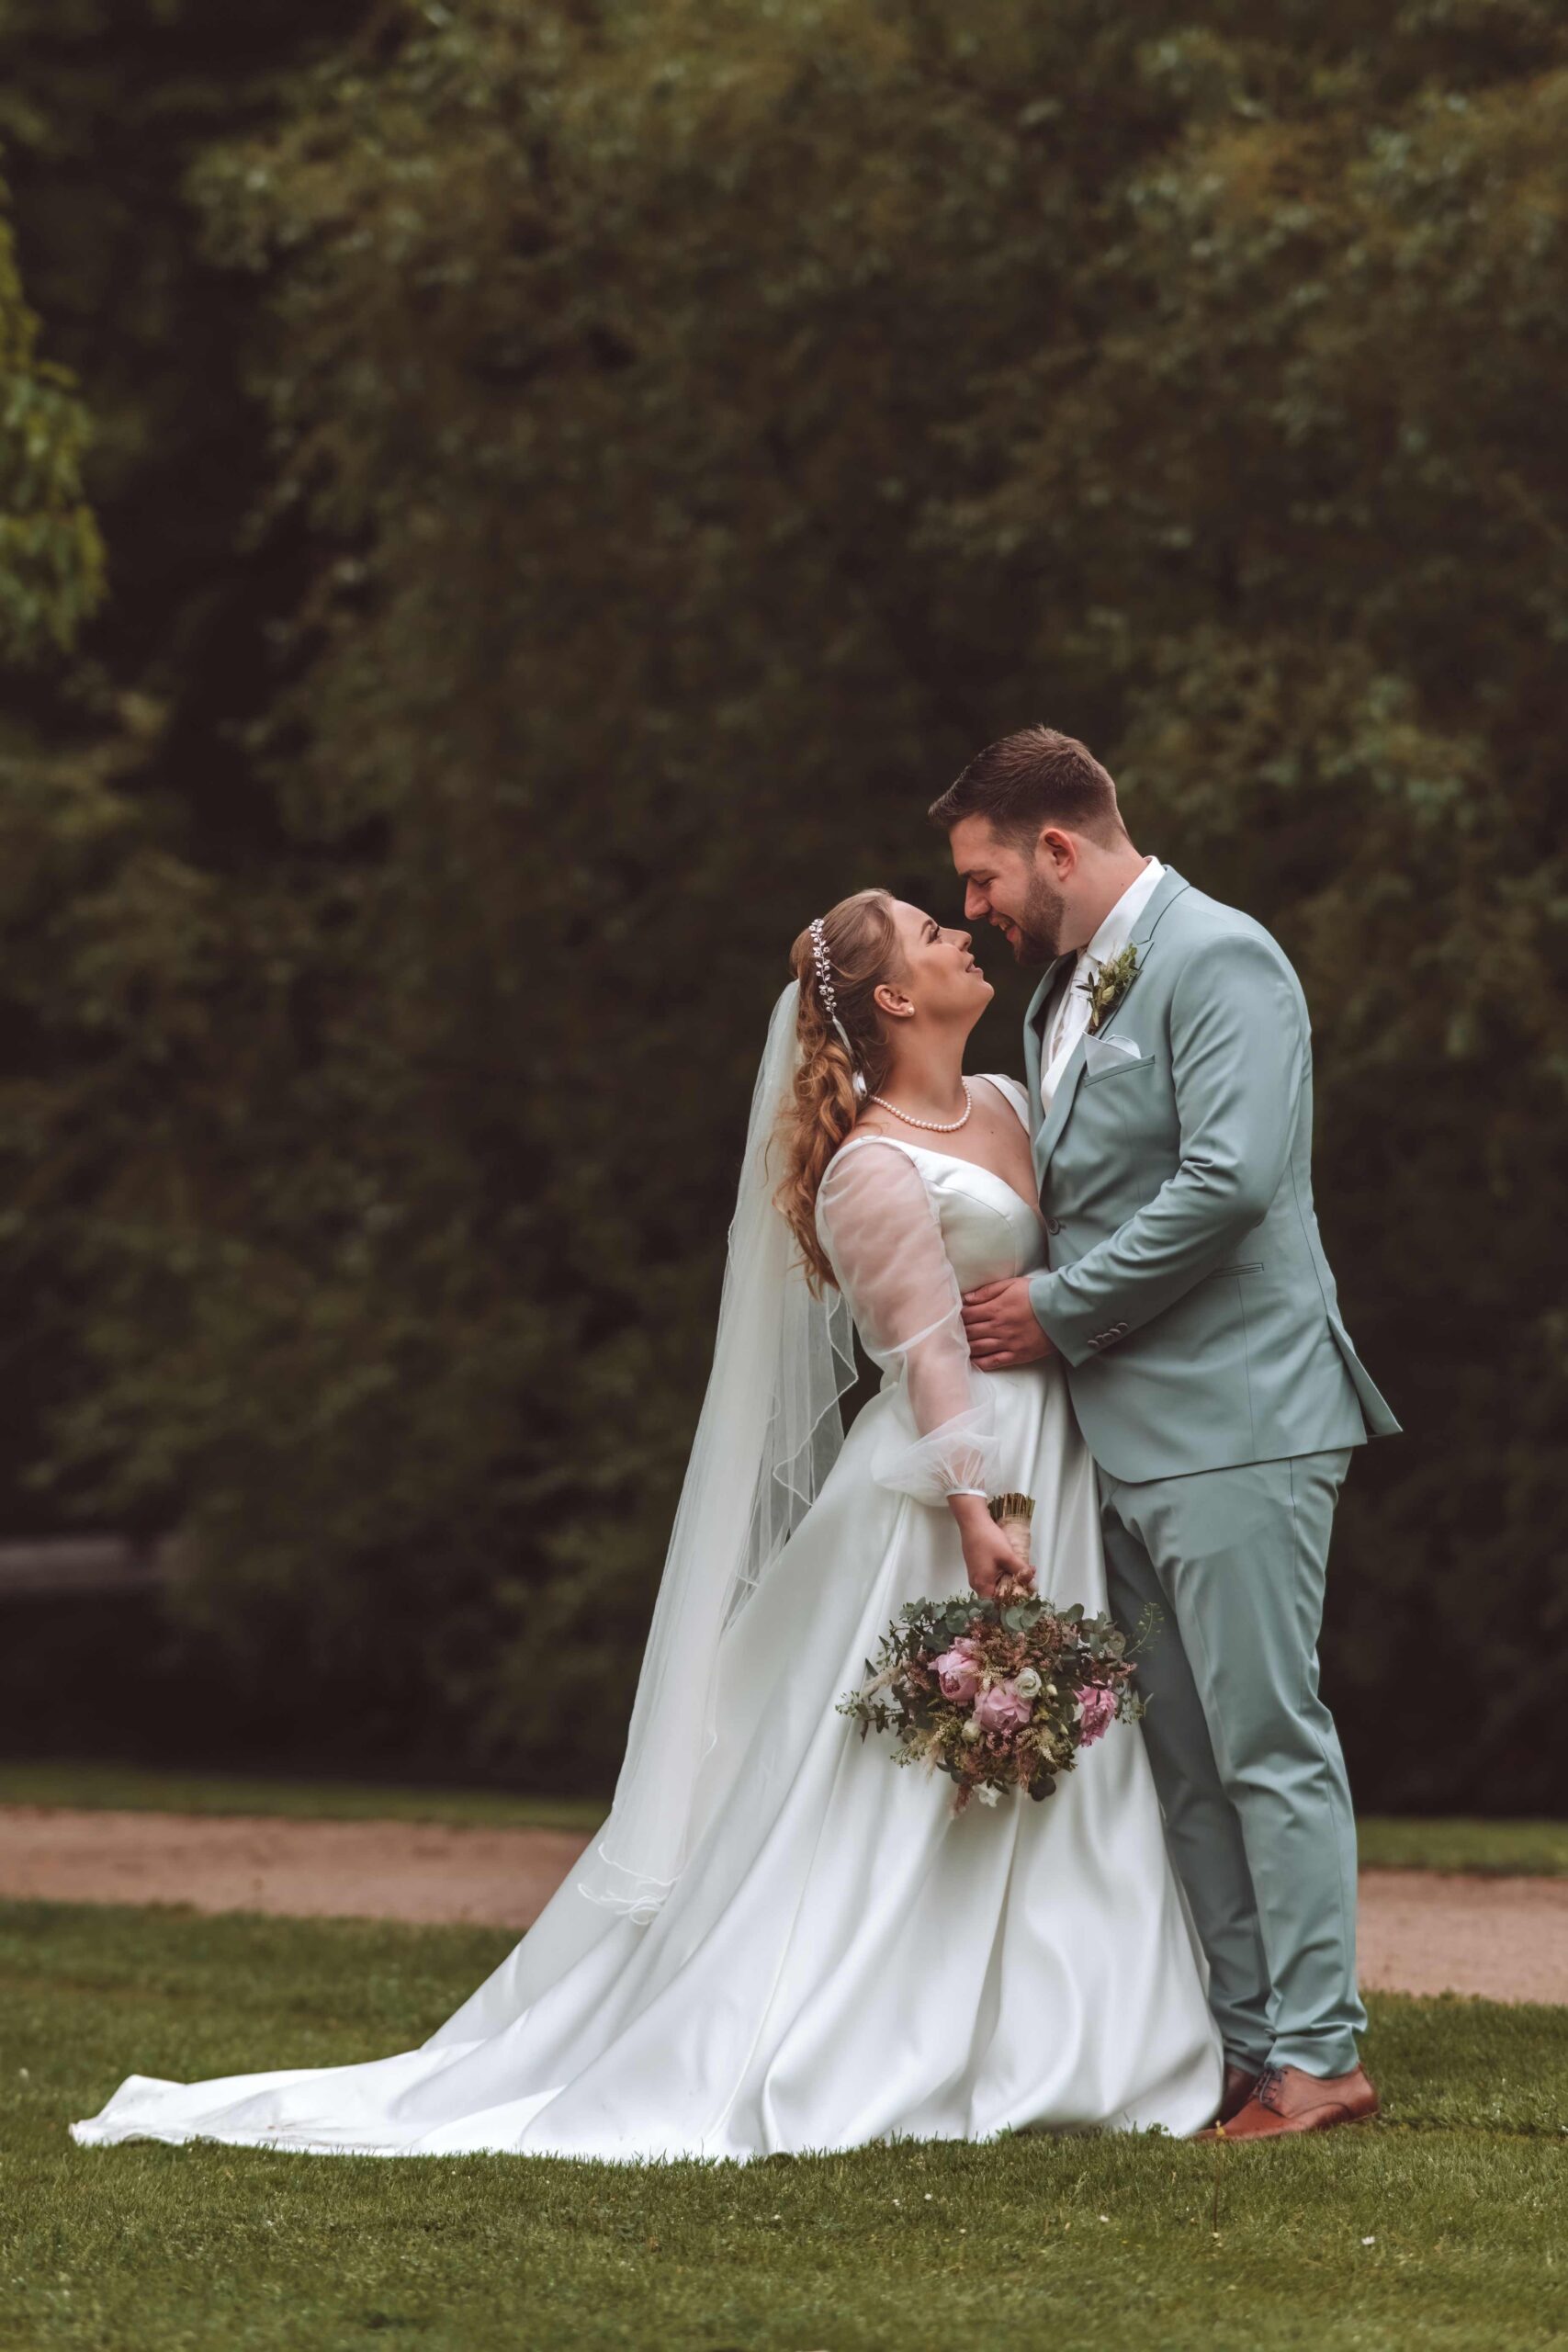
(1186, 1291)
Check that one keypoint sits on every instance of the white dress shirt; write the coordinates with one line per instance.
(1071, 1016)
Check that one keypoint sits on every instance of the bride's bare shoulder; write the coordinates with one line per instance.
(872, 1123)
(1006, 1097)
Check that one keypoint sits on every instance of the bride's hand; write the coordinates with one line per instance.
(987, 1555)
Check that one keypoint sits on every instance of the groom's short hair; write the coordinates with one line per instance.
(1033, 779)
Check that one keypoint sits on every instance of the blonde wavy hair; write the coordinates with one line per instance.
(863, 949)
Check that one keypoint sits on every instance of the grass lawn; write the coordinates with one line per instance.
(1524, 1849)
(1441, 2227)
(132, 1788)
(1534, 1849)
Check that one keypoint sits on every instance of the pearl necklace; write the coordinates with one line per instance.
(932, 1127)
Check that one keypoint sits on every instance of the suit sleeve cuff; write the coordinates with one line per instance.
(1050, 1312)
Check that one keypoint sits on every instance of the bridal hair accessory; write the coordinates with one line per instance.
(824, 971)
(824, 963)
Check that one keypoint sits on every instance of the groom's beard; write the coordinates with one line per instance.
(1041, 925)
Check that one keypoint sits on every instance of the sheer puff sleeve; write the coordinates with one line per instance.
(881, 1232)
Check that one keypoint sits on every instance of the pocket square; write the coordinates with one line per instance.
(1104, 1053)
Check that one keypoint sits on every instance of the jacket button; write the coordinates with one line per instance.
(1053, 1225)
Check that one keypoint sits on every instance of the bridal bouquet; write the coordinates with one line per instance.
(998, 1694)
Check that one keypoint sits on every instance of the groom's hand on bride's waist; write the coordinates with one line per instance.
(1001, 1327)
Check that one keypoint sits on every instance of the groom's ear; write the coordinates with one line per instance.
(1057, 850)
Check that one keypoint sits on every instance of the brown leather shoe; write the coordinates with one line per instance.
(1289, 2099)
(1239, 2085)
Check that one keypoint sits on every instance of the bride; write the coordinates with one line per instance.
(779, 1941)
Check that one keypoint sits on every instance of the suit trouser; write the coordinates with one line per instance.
(1244, 1753)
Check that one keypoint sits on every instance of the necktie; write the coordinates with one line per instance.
(1066, 1026)
(1072, 1014)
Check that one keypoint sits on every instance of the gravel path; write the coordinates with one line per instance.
(371, 1870)
(1504, 1938)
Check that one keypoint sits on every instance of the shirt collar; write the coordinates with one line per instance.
(1117, 929)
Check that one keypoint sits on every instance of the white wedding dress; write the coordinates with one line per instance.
(842, 1958)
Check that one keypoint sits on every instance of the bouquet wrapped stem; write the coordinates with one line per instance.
(1014, 1514)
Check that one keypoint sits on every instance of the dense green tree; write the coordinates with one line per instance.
(51, 555)
(125, 790)
(694, 430)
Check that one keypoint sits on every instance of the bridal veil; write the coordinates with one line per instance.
(769, 1433)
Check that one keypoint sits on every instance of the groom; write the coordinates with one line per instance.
(1169, 1066)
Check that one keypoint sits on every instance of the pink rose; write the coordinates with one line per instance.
(959, 1676)
(1001, 1708)
(1097, 1707)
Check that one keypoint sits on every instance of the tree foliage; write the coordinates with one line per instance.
(51, 554)
(689, 433)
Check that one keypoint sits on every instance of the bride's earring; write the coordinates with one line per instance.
(900, 1009)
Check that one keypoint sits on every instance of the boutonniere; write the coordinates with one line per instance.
(1108, 986)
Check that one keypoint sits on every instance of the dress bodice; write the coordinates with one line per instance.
(989, 1232)
(907, 1230)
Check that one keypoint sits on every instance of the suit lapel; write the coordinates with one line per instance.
(1056, 1117)
(1170, 887)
